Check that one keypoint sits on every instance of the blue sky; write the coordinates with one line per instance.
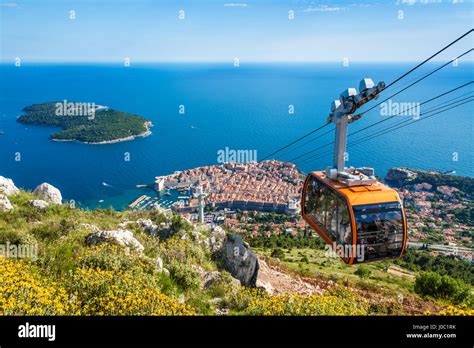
(218, 31)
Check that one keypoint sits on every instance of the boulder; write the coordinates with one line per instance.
(5, 204)
(210, 278)
(38, 203)
(148, 226)
(196, 236)
(216, 239)
(267, 287)
(124, 224)
(121, 237)
(89, 227)
(7, 187)
(216, 301)
(48, 193)
(240, 261)
(221, 311)
(159, 264)
(218, 232)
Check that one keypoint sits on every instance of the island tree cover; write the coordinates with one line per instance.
(106, 125)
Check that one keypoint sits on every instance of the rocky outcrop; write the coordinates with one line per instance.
(213, 238)
(91, 227)
(159, 266)
(7, 187)
(5, 204)
(148, 226)
(38, 203)
(121, 237)
(48, 193)
(208, 279)
(275, 280)
(240, 261)
(216, 240)
(399, 176)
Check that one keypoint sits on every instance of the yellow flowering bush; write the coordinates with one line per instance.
(24, 292)
(461, 310)
(239, 301)
(112, 281)
(106, 292)
(329, 303)
(106, 281)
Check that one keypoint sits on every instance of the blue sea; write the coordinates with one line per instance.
(242, 108)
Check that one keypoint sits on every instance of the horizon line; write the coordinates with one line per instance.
(75, 62)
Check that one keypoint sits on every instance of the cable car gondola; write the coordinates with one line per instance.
(359, 217)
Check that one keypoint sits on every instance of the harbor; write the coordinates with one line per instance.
(158, 200)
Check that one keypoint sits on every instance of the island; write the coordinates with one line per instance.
(86, 122)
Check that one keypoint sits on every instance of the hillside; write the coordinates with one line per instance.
(439, 207)
(105, 262)
(86, 123)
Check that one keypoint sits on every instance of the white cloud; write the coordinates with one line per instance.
(427, 2)
(324, 8)
(234, 4)
(9, 4)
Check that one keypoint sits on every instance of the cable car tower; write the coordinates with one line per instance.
(201, 204)
(342, 115)
(359, 217)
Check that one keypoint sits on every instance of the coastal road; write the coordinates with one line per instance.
(440, 247)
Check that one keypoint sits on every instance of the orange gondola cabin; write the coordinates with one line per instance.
(359, 217)
(361, 223)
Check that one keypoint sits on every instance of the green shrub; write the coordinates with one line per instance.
(106, 258)
(278, 253)
(54, 230)
(10, 236)
(442, 287)
(223, 286)
(186, 276)
(178, 223)
(59, 259)
(363, 272)
(167, 285)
